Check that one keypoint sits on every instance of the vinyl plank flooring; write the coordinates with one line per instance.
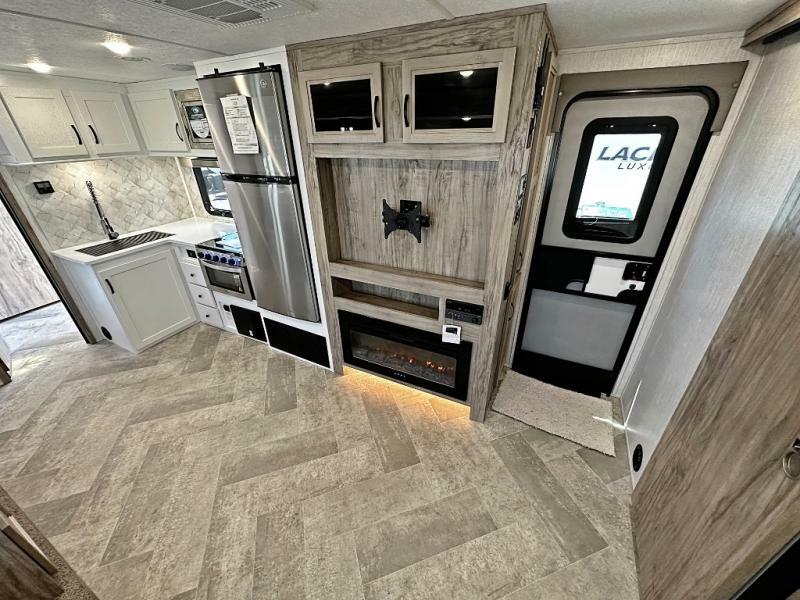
(175, 404)
(279, 557)
(609, 515)
(391, 436)
(609, 468)
(548, 446)
(331, 570)
(201, 356)
(144, 510)
(562, 517)
(490, 566)
(409, 537)
(281, 387)
(181, 480)
(599, 576)
(54, 517)
(119, 580)
(177, 564)
(365, 502)
(274, 456)
(230, 549)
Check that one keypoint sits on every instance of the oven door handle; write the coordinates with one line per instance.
(221, 267)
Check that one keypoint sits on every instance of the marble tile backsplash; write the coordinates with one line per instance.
(135, 193)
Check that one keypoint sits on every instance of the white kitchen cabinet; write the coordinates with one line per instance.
(110, 129)
(148, 294)
(158, 121)
(45, 123)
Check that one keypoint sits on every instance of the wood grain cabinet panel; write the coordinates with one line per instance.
(457, 98)
(343, 104)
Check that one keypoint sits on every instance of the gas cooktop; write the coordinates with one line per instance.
(228, 242)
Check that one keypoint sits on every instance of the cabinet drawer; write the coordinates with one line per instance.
(202, 295)
(208, 315)
(193, 273)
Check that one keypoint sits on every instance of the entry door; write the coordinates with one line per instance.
(623, 166)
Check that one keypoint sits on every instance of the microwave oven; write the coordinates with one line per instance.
(193, 117)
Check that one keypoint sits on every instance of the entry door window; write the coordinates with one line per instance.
(619, 167)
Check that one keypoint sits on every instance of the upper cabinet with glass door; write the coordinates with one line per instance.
(343, 104)
(457, 98)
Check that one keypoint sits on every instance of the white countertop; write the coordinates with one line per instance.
(188, 232)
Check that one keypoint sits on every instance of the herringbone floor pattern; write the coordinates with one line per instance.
(210, 467)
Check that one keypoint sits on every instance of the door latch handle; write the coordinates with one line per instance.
(791, 461)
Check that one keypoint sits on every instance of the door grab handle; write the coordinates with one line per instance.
(375, 112)
(791, 461)
(78, 135)
(94, 133)
(110, 287)
(178, 132)
(405, 109)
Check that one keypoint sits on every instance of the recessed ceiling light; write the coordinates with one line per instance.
(39, 66)
(466, 74)
(118, 46)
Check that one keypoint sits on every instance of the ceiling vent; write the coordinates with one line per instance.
(232, 13)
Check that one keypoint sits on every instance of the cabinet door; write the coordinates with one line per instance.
(343, 104)
(158, 121)
(44, 122)
(457, 98)
(149, 296)
(110, 127)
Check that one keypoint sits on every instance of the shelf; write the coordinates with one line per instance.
(410, 281)
(395, 311)
(402, 313)
(388, 151)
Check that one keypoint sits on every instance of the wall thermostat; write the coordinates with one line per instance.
(43, 187)
(451, 334)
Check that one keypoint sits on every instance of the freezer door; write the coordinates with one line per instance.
(270, 224)
(263, 92)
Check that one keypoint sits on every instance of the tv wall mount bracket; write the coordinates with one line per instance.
(409, 218)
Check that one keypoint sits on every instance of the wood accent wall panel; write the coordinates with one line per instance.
(713, 505)
(469, 190)
(23, 285)
(529, 31)
(424, 39)
(458, 196)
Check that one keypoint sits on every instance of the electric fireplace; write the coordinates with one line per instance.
(406, 354)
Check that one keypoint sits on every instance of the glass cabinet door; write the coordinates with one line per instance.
(457, 98)
(343, 104)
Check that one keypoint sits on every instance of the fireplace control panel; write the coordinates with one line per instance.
(463, 311)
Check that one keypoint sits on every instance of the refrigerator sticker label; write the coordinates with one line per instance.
(240, 124)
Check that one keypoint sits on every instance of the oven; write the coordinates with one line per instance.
(224, 271)
(193, 117)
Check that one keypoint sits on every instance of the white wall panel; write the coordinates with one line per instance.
(750, 183)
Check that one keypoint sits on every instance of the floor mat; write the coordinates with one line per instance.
(582, 419)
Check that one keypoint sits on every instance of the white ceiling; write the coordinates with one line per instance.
(67, 33)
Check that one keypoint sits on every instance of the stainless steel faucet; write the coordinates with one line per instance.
(104, 222)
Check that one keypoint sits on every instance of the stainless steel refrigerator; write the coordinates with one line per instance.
(250, 128)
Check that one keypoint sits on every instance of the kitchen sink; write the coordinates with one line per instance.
(123, 243)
